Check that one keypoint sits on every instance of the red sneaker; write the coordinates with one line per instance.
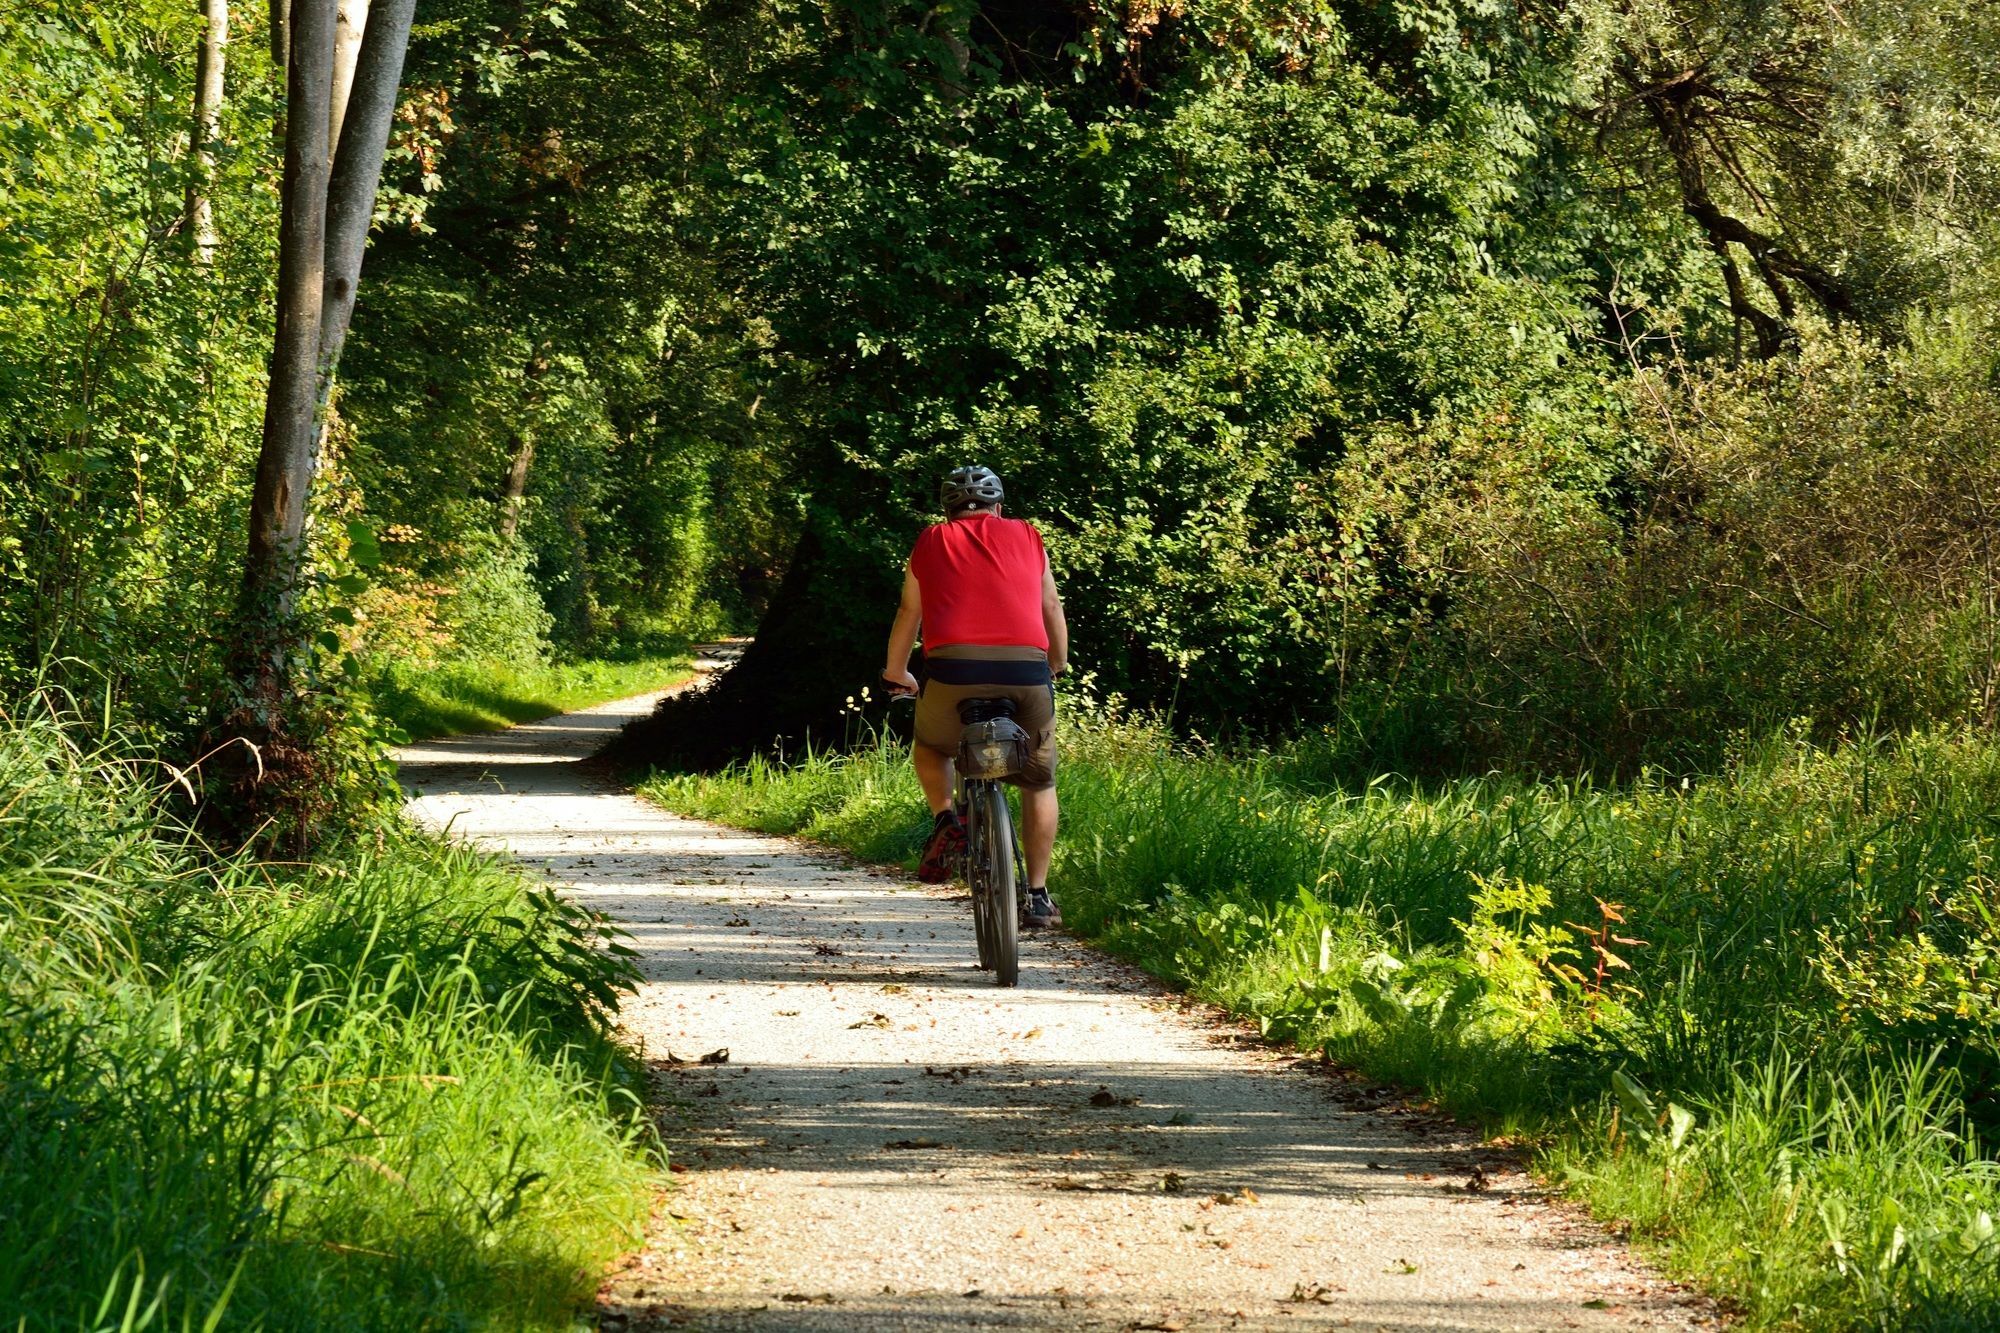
(941, 854)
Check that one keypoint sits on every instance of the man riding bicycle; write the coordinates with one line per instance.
(980, 585)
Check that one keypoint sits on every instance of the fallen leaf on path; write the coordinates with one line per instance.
(718, 1056)
(1313, 1293)
(737, 921)
(894, 988)
(1173, 1182)
(827, 950)
(800, 1298)
(1166, 1324)
(872, 1021)
(1106, 1097)
(913, 1143)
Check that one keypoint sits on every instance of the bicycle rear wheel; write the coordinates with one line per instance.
(994, 863)
(975, 878)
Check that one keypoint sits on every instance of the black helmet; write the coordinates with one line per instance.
(969, 486)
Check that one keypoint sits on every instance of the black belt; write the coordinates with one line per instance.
(972, 671)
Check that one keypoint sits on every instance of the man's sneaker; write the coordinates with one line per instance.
(1039, 911)
(941, 854)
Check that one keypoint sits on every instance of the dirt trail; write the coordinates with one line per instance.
(896, 1144)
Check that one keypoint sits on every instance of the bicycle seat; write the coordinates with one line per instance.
(985, 710)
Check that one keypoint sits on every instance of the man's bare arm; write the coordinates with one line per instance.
(903, 634)
(1053, 621)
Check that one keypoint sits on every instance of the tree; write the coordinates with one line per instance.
(1835, 160)
(328, 202)
(209, 66)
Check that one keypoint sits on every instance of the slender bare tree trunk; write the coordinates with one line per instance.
(281, 35)
(370, 112)
(208, 84)
(285, 461)
(281, 60)
(351, 25)
(514, 495)
(514, 491)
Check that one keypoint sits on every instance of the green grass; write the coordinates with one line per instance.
(463, 696)
(378, 1092)
(1789, 1089)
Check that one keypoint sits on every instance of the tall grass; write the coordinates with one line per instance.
(373, 1093)
(487, 694)
(1755, 1015)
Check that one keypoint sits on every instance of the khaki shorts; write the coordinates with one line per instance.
(938, 725)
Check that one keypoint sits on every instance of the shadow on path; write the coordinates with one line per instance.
(891, 1132)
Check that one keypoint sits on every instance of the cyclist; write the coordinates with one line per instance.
(980, 585)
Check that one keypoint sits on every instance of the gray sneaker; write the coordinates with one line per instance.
(1039, 911)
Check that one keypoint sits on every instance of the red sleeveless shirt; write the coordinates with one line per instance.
(981, 580)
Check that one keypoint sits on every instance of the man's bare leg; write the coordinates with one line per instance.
(934, 776)
(1038, 834)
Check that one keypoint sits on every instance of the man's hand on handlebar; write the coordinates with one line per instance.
(901, 684)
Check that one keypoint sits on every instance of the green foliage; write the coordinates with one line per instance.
(542, 305)
(376, 1092)
(1772, 1053)
(130, 385)
(499, 311)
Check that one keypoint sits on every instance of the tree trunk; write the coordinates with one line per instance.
(281, 61)
(357, 172)
(285, 460)
(208, 85)
(349, 27)
(514, 495)
(514, 492)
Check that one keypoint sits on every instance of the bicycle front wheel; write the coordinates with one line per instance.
(995, 866)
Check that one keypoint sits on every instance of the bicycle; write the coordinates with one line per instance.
(992, 747)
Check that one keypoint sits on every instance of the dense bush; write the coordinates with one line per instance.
(1805, 539)
(376, 1092)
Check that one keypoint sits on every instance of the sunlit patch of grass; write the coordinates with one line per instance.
(1756, 1015)
(459, 696)
(374, 1093)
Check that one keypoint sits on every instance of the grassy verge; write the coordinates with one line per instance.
(462, 696)
(1755, 1016)
(377, 1092)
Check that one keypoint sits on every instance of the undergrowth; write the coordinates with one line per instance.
(1756, 1015)
(487, 694)
(377, 1092)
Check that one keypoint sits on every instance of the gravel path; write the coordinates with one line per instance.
(894, 1143)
